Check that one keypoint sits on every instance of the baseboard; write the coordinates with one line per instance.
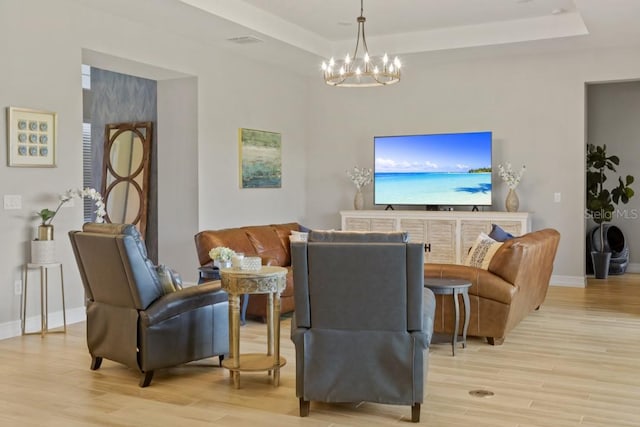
(633, 268)
(568, 281)
(12, 329)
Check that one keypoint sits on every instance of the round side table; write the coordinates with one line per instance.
(454, 287)
(267, 280)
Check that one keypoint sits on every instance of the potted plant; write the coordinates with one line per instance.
(360, 177)
(601, 202)
(45, 229)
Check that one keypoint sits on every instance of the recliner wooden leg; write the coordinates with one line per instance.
(95, 363)
(415, 413)
(146, 379)
(220, 359)
(304, 407)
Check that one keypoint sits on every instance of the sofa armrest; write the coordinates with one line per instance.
(181, 301)
(483, 283)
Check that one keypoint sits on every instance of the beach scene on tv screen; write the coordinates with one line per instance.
(443, 169)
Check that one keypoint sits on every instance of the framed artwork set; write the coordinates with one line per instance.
(31, 137)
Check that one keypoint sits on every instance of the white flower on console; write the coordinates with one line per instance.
(511, 177)
(360, 176)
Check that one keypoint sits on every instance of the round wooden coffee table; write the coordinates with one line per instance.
(454, 287)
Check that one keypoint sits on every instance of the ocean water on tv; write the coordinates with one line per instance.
(433, 188)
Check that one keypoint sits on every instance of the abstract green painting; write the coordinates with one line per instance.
(260, 159)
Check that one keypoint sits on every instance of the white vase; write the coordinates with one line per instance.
(512, 203)
(222, 264)
(358, 200)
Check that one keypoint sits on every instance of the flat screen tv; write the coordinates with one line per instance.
(450, 169)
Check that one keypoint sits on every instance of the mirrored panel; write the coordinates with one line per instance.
(123, 203)
(125, 178)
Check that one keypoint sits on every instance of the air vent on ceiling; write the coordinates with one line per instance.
(245, 40)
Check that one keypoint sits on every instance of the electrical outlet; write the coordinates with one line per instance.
(17, 287)
(557, 197)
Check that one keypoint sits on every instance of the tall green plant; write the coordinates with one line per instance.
(601, 202)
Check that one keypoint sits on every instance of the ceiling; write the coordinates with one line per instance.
(301, 33)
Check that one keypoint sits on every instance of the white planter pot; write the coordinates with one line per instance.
(43, 251)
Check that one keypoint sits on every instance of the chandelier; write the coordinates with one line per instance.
(364, 71)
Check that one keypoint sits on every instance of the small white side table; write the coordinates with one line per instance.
(44, 298)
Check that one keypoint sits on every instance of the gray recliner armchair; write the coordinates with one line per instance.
(362, 319)
(131, 317)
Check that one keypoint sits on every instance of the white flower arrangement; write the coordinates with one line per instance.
(221, 253)
(47, 215)
(511, 177)
(360, 176)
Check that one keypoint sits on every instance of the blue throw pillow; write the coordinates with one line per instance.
(498, 234)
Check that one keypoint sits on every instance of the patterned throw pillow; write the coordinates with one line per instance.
(169, 279)
(298, 236)
(482, 252)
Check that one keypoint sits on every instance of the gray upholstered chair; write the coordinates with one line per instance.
(132, 317)
(362, 319)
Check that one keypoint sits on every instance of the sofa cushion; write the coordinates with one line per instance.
(234, 238)
(482, 252)
(284, 231)
(267, 245)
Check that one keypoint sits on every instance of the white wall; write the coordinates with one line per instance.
(178, 181)
(269, 100)
(42, 49)
(534, 105)
(613, 120)
(41, 70)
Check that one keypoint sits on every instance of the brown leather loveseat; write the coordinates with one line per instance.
(269, 242)
(514, 285)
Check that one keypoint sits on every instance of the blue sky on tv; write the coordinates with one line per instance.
(453, 152)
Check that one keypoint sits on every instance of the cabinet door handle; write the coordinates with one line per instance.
(427, 247)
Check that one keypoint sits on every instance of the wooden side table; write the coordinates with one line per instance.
(44, 298)
(267, 280)
(210, 274)
(453, 287)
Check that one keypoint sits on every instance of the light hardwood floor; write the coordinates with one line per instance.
(576, 362)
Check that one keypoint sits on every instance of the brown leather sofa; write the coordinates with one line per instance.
(269, 242)
(514, 285)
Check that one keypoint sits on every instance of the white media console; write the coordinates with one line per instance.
(447, 235)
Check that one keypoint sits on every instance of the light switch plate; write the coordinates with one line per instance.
(557, 197)
(12, 201)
